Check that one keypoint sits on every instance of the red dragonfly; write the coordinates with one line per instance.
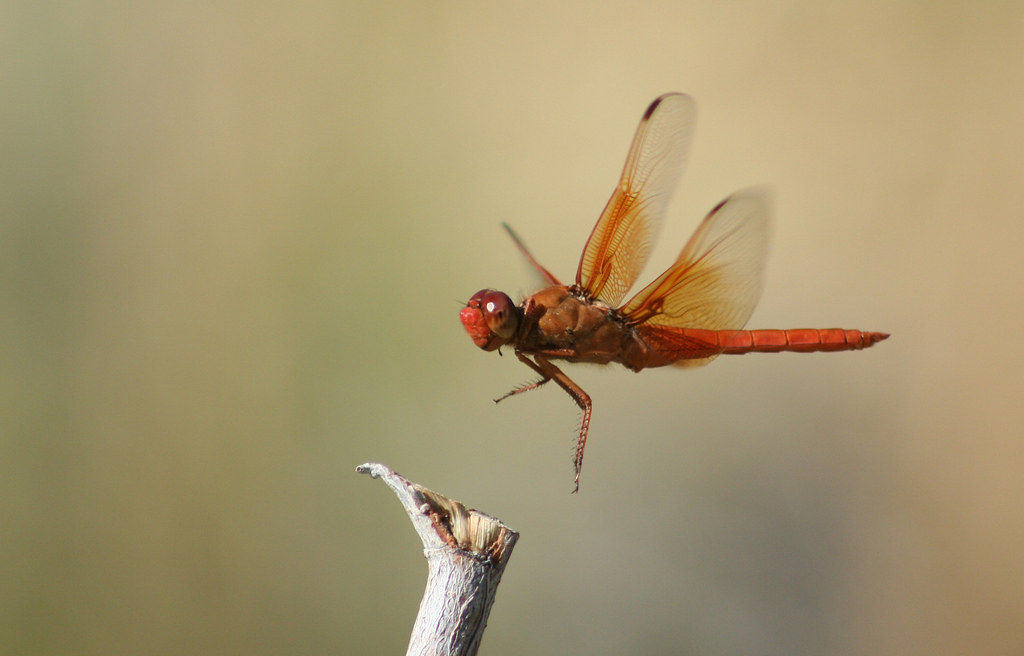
(689, 315)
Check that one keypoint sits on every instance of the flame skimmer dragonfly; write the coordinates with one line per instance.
(689, 315)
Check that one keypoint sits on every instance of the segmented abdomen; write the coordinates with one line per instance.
(800, 340)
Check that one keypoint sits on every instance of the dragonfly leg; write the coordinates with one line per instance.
(543, 366)
(520, 390)
(530, 386)
(546, 374)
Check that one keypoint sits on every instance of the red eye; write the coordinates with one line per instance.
(500, 314)
(476, 299)
(490, 318)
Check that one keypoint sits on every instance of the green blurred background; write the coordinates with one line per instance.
(235, 239)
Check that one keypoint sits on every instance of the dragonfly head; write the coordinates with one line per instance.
(490, 318)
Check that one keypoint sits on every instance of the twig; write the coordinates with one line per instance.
(466, 553)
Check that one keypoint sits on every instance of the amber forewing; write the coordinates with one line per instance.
(716, 281)
(620, 243)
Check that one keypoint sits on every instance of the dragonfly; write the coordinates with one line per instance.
(689, 315)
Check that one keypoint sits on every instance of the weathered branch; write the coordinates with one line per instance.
(466, 553)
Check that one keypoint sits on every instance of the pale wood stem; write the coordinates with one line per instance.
(466, 553)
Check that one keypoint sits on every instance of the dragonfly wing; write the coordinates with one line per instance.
(621, 241)
(716, 281)
(548, 277)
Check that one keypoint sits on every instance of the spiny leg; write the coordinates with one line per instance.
(544, 377)
(543, 366)
(520, 390)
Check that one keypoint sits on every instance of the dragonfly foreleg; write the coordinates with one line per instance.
(520, 390)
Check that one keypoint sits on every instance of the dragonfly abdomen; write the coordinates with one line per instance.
(799, 340)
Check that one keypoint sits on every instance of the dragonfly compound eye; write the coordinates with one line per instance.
(500, 314)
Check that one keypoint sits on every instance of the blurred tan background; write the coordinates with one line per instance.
(235, 241)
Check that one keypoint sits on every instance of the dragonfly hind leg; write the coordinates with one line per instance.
(548, 371)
